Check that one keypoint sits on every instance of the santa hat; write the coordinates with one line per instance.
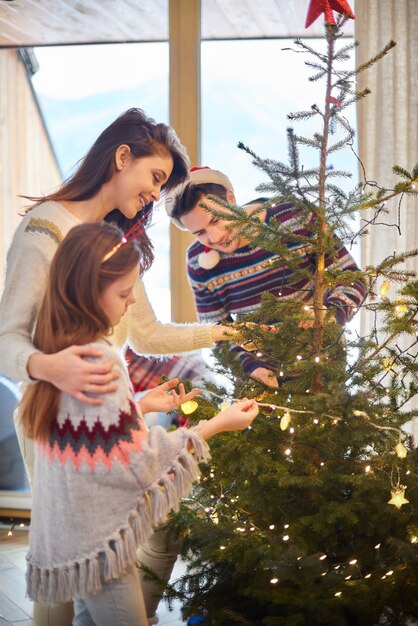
(198, 176)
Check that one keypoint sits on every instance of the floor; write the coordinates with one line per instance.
(15, 608)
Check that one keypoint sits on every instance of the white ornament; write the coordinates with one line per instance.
(208, 259)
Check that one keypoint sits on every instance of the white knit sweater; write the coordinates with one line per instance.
(28, 261)
(103, 482)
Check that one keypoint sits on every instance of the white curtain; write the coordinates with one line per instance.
(388, 123)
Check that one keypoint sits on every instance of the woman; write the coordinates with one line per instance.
(131, 163)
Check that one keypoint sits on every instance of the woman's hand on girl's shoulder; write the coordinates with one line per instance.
(70, 372)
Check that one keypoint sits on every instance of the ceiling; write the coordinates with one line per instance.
(65, 22)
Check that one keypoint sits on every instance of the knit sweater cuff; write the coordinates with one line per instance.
(203, 335)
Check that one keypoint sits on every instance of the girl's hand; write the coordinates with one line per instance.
(70, 372)
(165, 398)
(238, 416)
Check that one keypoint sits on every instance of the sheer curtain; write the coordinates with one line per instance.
(388, 123)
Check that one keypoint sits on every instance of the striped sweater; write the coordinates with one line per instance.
(102, 483)
(235, 285)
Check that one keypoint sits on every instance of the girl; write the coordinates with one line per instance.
(101, 479)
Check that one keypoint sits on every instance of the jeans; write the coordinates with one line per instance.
(118, 603)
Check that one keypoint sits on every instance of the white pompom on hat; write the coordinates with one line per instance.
(198, 176)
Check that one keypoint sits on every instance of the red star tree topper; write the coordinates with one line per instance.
(316, 7)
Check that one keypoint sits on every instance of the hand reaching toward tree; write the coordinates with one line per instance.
(165, 397)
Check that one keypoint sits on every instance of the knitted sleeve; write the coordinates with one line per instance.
(141, 329)
(209, 308)
(27, 271)
(343, 298)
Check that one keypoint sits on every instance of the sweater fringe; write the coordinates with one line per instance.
(85, 576)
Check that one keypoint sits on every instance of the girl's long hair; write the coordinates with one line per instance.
(145, 138)
(71, 312)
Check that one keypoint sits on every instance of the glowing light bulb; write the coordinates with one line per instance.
(384, 287)
(400, 450)
(401, 309)
(285, 421)
(189, 407)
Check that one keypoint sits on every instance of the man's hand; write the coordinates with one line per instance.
(165, 398)
(265, 376)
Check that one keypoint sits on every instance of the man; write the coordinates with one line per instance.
(228, 276)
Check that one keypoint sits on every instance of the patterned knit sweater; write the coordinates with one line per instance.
(102, 483)
(235, 285)
(28, 261)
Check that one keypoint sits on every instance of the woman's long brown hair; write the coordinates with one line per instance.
(71, 313)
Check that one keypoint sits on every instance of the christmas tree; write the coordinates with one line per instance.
(310, 517)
